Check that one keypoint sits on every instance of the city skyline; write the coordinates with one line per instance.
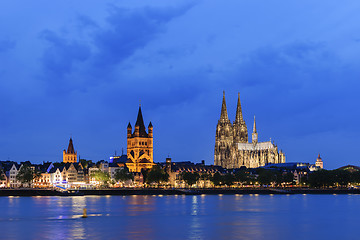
(80, 72)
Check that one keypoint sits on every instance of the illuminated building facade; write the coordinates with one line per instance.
(319, 163)
(70, 156)
(232, 148)
(139, 145)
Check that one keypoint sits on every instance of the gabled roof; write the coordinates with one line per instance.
(191, 167)
(53, 170)
(121, 159)
(113, 164)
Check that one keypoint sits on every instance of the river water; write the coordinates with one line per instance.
(182, 217)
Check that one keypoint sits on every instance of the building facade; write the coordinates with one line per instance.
(139, 145)
(319, 162)
(70, 156)
(232, 148)
(175, 169)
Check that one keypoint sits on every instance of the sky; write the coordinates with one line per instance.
(80, 69)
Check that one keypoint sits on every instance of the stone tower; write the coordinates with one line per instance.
(224, 139)
(139, 145)
(319, 162)
(70, 156)
(240, 129)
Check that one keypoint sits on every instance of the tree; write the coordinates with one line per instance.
(242, 177)
(190, 178)
(157, 175)
(2, 177)
(26, 174)
(229, 179)
(279, 178)
(205, 176)
(123, 175)
(355, 177)
(288, 177)
(216, 179)
(86, 163)
(342, 177)
(103, 177)
(266, 177)
(321, 178)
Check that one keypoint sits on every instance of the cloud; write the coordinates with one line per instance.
(60, 59)
(130, 30)
(285, 67)
(304, 82)
(81, 62)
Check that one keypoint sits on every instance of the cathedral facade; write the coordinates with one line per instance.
(139, 145)
(232, 148)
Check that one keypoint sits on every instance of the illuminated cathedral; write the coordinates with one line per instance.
(232, 148)
(139, 145)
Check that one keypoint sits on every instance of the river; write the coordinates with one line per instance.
(181, 217)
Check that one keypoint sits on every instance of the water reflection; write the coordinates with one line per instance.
(196, 228)
(181, 217)
(138, 224)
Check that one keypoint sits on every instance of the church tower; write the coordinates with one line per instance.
(139, 145)
(224, 139)
(254, 134)
(319, 162)
(240, 129)
(70, 156)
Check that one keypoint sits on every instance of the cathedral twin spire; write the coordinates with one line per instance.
(224, 115)
(240, 133)
(239, 117)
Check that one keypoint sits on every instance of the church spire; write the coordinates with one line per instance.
(71, 147)
(140, 124)
(254, 128)
(254, 134)
(224, 114)
(240, 129)
(239, 116)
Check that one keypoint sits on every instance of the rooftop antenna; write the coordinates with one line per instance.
(122, 151)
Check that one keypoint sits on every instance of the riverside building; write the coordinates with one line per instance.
(139, 145)
(70, 156)
(232, 148)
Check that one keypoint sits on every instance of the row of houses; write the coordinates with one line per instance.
(78, 175)
(65, 175)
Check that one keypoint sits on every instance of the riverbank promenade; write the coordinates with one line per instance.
(160, 191)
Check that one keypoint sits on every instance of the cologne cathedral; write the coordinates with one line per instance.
(232, 148)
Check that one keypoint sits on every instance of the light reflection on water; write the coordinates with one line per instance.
(181, 217)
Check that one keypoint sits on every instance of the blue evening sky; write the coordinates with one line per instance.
(79, 68)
